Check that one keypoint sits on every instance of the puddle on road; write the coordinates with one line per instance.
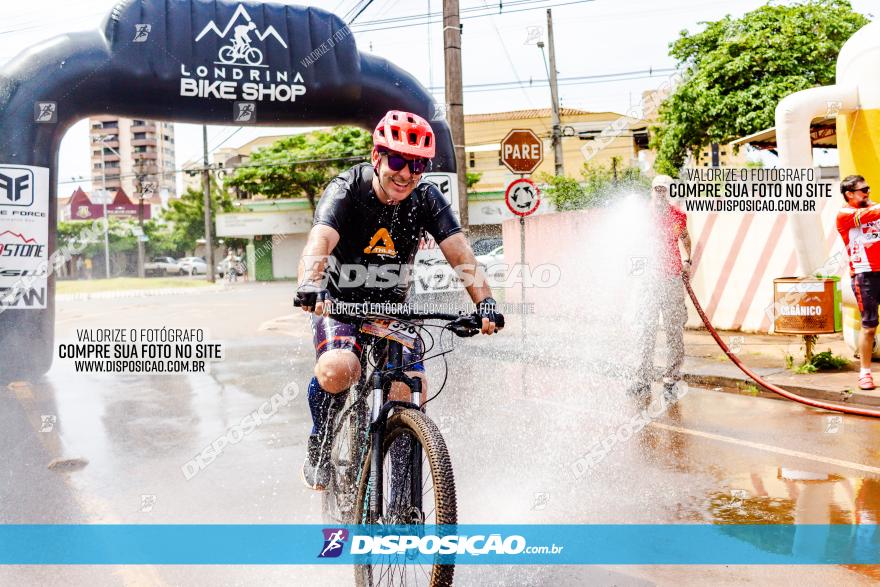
(783, 495)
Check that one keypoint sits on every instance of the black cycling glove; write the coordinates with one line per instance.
(310, 293)
(487, 309)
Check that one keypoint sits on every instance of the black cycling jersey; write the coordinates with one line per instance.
(377, 242)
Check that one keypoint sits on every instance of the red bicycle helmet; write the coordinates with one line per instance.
(405, 132)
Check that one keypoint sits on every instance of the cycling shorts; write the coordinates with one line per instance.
(328, 334)
(866, 287)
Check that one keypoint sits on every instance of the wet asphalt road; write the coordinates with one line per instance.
(516, 425)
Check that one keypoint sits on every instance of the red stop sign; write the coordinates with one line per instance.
(522, 151)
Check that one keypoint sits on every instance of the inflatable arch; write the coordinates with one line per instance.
(194, 61)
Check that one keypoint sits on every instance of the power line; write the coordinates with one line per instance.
(488, 9)
(216, 133)
(510, 61)
(223, 142)
(403, 20)
(389, 4)
(576, 83)
(359, 12)
(338, 6)
(571, 81)
(282, 163)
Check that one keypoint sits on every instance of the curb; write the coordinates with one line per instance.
(139, 293)
(732, 385)
(725, 384)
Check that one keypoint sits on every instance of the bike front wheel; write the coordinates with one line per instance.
(253, 56)
(412, 443)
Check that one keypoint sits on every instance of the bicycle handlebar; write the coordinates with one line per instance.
(463, 325)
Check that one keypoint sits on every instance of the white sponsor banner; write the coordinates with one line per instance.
(247, 224)
(24, 236)
(488, 212)
(436, 278)
(807, 287)
(447, 183)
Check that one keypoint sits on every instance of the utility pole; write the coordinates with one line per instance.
(455, 100)
(139, 178)
(206, 189)
(104, 206)
(554, 97)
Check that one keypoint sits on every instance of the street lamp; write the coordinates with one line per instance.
(102, 141)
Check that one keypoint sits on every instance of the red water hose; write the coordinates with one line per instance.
(766, 385)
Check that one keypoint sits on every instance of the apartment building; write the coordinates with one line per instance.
(130, 153)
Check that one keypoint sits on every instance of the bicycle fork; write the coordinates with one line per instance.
(376, 439)
(379, 418)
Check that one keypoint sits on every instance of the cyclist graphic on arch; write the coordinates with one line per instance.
(241, 47)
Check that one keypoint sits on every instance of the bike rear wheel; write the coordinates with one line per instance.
(407, 431)
(227, 54)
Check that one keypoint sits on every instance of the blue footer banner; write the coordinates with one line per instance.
(623, 544)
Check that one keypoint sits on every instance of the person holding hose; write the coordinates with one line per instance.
(665, 294)
(858, 223)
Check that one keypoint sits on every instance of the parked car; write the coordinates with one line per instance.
(162, 266)
(486, 244)
(493, 262)
(193, 266)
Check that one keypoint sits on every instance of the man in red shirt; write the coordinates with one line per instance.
(858, 223)
(665, 294)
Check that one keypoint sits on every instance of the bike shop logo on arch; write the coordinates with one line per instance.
(238, 71)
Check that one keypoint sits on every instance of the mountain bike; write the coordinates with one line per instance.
(390, 463)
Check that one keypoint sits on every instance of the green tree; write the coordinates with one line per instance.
(163, 240)
(302, 165)
(473, 179)
(598, 184)
(121, 237)
(71, 235)
(187, 217)
(737, 70)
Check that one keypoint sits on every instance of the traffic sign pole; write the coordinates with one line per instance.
(522, 152)
(522, 198)
(522, 285)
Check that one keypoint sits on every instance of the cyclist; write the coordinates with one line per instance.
(373, 216)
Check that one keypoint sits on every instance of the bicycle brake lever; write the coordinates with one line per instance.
(465, 326)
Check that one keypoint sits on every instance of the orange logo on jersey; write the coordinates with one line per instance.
(387, 246)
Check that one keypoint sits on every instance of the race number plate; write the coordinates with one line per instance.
(405, 334)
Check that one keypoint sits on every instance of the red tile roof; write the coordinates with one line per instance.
(523, 114)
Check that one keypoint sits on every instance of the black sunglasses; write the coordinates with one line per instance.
(397, 162)
(866, 189)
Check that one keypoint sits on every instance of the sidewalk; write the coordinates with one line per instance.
(140, 293)
(707, 365)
